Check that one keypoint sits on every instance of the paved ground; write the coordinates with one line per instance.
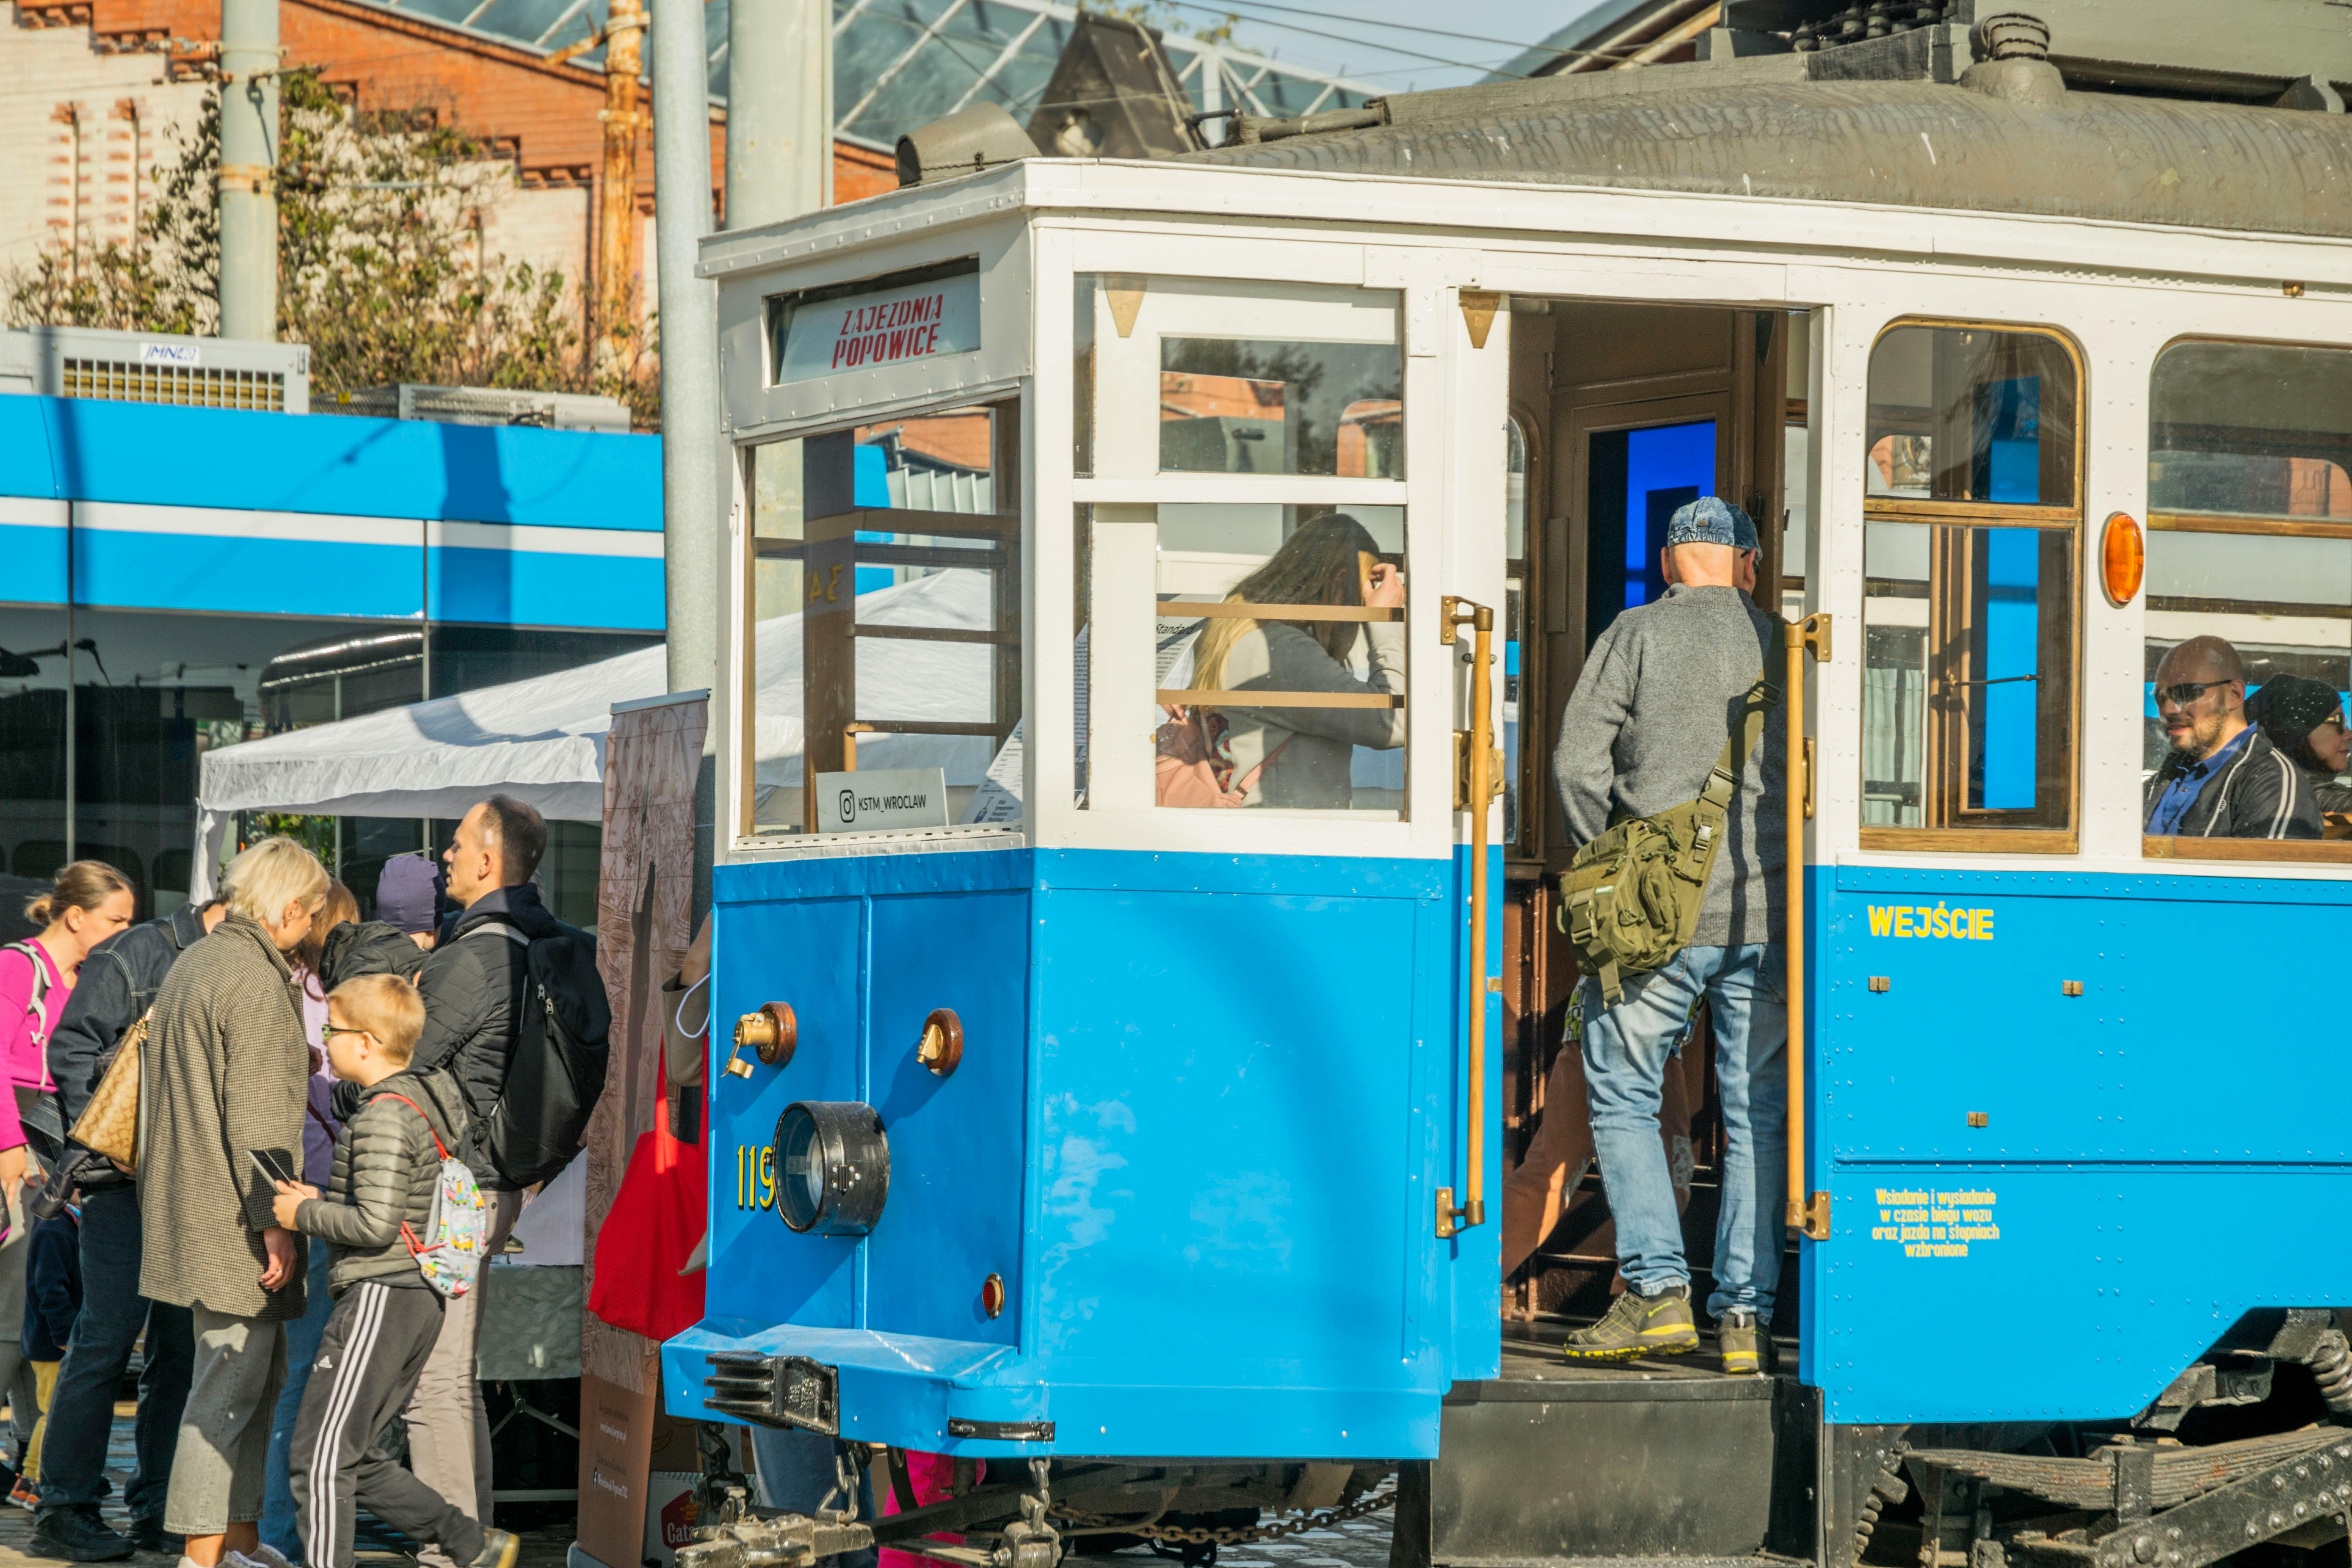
(1358, 1543)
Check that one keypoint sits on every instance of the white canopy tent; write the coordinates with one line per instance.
(543, 740)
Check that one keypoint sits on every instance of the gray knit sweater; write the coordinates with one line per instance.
(1644, 725)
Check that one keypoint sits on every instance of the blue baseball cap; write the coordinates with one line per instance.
(1711, 520)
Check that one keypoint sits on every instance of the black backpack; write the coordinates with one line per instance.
(557, 1071)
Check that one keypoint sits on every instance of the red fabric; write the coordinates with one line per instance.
(930, 1475)
(656, 1218)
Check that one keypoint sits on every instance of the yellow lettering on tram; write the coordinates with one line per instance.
(1928, 1223)
(1930, 920)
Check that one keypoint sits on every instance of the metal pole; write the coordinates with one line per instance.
(779, 111)
(70, 682)
(249, 163)
(694, 455)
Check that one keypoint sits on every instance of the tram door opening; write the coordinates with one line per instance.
(1620, 414)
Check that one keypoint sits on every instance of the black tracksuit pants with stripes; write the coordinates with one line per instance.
(370, 1357)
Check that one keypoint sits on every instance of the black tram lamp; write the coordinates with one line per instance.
(833, 1166)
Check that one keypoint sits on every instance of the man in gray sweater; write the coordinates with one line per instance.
(1659, 693)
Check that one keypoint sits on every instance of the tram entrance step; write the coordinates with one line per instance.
(1668, 1461)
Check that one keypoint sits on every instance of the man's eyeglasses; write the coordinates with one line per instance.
(2181, 693)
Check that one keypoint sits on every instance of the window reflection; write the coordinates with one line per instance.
(887, 598)
(1230, 406)
(1971, 414)
(2251, 429)
(2249, 621)
(1968, 608)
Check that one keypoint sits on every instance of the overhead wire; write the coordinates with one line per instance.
(1335, 37)
(1405, 26)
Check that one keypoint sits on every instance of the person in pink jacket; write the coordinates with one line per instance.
(88, 902)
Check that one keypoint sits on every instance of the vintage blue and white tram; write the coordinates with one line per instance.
(1208, 1133)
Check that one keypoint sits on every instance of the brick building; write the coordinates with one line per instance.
(94, 92)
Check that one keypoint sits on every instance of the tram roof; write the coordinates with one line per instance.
(1717, 130)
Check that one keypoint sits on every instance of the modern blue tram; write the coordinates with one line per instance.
(1149, 1088)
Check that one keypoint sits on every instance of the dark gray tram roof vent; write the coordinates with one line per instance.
(2013, 53)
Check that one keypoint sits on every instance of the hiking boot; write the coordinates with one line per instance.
(77, 1535)
(148, 1534)
(1746, 1347)
(498, 1550)
(1638, 1325)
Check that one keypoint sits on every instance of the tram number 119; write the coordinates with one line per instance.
(755, 1177)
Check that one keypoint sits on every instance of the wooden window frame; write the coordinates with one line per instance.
(1994, 836)
(2291, 851)
(837, 536)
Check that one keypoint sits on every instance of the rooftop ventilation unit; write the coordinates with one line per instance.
(155, 367)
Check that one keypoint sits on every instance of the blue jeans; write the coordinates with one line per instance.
(81, 1410)
(302, 1336)
(1625, 1053)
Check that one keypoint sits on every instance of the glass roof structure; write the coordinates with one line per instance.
(899, 64)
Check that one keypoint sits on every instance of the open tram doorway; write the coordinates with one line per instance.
(1620, 414)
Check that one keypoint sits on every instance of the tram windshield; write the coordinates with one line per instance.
(2249, 586)
(1257, 625)
(1969, 566)
(885, 638)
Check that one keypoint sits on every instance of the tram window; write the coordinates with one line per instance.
(885, 636)
(1971, 415)
(1968, 638)
(1304, 714)
(1236, 378)
(2251, 547)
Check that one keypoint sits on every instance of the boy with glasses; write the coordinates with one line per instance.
(2223, 779)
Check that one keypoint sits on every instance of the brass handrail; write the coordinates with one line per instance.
(1482, 787)
(1808, 1212)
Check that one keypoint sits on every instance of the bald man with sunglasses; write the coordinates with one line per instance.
(2222, 779)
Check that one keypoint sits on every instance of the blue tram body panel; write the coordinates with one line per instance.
(2147, 1169)
(1203, 1107)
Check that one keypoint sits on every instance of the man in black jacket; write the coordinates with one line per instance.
(119, 983)
(2223, 778)
(473, 983)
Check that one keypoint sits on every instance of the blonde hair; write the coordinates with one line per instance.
(83, 885)
(273, 874)
(386, 1006)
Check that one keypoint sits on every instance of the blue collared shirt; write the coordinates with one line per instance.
(2181, 793)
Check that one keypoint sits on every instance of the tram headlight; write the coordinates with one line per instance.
(833, 1166)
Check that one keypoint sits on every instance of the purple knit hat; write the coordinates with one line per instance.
(407, 893)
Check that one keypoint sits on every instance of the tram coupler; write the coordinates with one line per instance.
(785, 1541)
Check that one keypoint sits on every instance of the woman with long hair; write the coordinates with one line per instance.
(1302, 757)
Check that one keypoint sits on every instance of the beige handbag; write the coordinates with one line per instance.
(109, 1125)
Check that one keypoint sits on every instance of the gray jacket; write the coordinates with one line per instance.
(1313, 770)
(225, 1074)
(386, 1167)
(1644, 725)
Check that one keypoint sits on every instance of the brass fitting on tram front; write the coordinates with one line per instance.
(771, 1033)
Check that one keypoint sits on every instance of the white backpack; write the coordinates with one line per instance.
(458, 1230)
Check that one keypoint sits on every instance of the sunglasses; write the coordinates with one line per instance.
(2183, 692)
(329, 1031)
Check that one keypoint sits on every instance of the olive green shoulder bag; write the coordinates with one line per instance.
(1631, 899)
